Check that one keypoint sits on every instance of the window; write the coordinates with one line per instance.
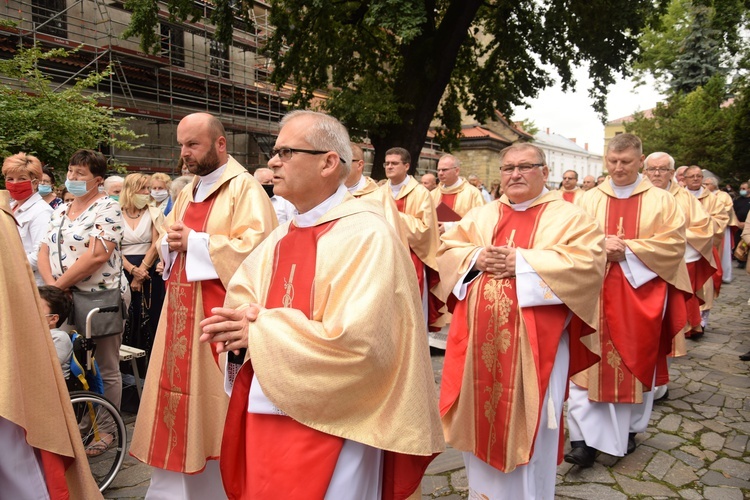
(48, 13)
(219, 59)
(173, 44)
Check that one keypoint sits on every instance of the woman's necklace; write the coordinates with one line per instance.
(136, 216)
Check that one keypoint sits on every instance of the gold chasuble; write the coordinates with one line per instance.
(371, 191)
(339, 347)
(179, 420)
(720, 217)
(33, 394)
(635, 331)
(499, 356)
(460, 199)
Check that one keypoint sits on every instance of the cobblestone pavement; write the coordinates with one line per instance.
(696, 446)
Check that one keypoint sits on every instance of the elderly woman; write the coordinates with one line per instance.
(143, 222)
(47, 187)
(160, 184)
(82, 252)
(22, 176)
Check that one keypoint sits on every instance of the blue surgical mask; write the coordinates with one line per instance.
(76, 188)
(115, 197)
(743, 192)
(45, 189)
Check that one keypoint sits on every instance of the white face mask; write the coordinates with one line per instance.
(141, 200)
(159, 194)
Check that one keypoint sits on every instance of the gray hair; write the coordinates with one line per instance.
(524, 146)
(456, 161)
(656, 155)
(179, 184)
(112, 179)
(325, 133)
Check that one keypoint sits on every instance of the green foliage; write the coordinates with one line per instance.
(528, 126)
(52, 123)
(695, 128)
(700, 55)
(741, 135)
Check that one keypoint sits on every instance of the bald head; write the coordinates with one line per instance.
(203, 143)
(264, 175)
(429, 181)
(588, 182)
(679, 175)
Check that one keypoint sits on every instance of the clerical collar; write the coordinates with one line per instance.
(359, 185)
(396, 188)
(696, 193)
(455, 185)
(310, 217)
(206, 182)
(623, 192)
(522, 206)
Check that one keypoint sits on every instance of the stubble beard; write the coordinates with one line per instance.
(208, 163)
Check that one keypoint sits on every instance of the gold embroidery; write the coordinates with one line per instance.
(498, 342)
(621, 228)
(614, 360)
(547, 290)
(288, 297)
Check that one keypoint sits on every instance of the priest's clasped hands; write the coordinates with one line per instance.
(227, 328)
(498, 261)
(177, 237)
(615, 247)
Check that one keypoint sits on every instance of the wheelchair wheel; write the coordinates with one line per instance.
(104, 435)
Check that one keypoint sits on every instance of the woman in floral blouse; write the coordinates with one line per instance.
(82, 251)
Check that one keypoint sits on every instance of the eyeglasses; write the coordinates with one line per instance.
(659, 170)
(522, 169)
(285, 154)
(388, 163)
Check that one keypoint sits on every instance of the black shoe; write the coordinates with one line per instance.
(695, 334)
(745, 357)
(581, 455)
(631, 443)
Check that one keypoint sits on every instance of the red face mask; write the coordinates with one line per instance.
(19, 190)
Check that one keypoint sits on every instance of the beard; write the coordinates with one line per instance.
(207, 164)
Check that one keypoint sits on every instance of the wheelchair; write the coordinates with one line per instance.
(101, 425)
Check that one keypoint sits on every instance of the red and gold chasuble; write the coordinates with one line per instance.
(699, 271)
(631, 319)
(168, 447)
(424, 273)
(569, 196)
(449, 200)
(503, 335)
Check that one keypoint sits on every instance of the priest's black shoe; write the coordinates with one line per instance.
(631, 443)
(581, 455)
(745, 357)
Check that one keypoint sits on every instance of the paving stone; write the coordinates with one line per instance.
(450, 459)
(737, 443)
(716, 426)
(459, 481)
(697, 375)
(690, 427)
(733, 403)
(680, 474)
(665, 441)
(691, 460)
(735, 468)
(131, 492)
(633, 488)
(738, 381)
(131, 476)
(715, 493)
(660, 465)
(596, 474)
(432, 484)
(714, 478)
(708, 412)
(712, 441)
(690, 495)
(670, 423)
(717, 400)
(589, 491)
(678, 404)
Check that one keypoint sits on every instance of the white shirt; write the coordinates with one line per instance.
(395, 188)
(284, 209)
(33, 221)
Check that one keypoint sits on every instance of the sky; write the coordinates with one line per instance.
(570, 114)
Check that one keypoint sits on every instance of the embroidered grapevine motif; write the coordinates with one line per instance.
(614, 360)
(288, 297)
(547, 290)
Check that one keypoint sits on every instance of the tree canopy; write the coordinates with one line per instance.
(392, 66)
(52, 123)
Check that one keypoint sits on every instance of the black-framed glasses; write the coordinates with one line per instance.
(524, 168)
(285, 154)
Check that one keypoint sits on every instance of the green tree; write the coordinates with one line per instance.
(392, 66)
(700, 55)
(52, 123)
(741, 135)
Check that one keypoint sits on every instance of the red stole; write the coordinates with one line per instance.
(54, 467)
(449, 199)
(631, 319)
(569, 196)
(168, 449)
(718, 274)
(699, 271)
(493, 327)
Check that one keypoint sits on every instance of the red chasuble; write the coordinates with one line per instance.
(569, 196)
(448, 199)
(495, 323)
(699, 271)
(168, 440)
(631, 319)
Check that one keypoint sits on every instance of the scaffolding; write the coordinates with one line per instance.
(192, 72)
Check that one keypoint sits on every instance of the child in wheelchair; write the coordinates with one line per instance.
(71, 347)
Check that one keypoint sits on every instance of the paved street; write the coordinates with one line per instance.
(695, 448)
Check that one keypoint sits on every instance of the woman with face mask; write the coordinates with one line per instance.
(143, 222)
(160, 184)
(22, 174)
(82, 252)
(47, 187)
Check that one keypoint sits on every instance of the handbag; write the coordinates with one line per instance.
(740, 253)
(102, 324)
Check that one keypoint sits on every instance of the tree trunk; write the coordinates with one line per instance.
(428, 64)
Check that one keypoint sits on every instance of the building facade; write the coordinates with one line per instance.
(565, 154)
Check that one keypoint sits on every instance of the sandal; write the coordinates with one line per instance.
(97, 448)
